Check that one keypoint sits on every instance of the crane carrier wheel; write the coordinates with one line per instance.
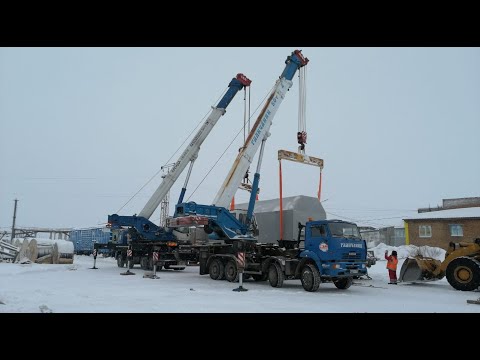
(216, 269)
(231, 272)
(275, 275)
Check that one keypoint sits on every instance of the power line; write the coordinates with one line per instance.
(393, 217)
(365, 221)
(60, 178)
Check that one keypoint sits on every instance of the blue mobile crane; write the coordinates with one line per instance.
(142, 236)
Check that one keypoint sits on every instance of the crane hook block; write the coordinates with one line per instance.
(302, 137)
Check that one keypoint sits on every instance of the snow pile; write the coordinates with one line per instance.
(405, 251)
(371, 244)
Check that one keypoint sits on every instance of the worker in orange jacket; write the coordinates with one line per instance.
(392, 262)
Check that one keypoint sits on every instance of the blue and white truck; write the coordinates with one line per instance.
(325, 251)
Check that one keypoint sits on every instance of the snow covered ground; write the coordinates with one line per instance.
(34, 288)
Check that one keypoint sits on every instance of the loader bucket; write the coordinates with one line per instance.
(410, 270)
(420, 268)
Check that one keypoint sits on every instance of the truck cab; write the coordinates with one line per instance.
(336, 247)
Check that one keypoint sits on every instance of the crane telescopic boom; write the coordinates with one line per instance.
(191, 152)
(260, 131)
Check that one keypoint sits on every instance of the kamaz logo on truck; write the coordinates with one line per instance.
(351, 245)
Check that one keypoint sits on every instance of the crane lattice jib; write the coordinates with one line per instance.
(259, 130)
(191, 152)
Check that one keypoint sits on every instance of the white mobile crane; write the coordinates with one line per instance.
(332, 251)
(143, 236)
(216, 217)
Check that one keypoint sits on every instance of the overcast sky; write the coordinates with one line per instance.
(83, 129)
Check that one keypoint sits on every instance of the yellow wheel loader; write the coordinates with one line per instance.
(461, 267)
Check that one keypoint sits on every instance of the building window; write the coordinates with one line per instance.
(425, 231)
(456, 230)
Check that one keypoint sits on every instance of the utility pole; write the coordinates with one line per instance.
(13, 225)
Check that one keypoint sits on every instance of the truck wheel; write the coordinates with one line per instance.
(463, 273)
(231, 273)
(262, 277)
(275, 275)
(216, 270)
(343, 283)
(310, 278)
(120, 261)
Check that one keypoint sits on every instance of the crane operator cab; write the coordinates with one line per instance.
(241, 215)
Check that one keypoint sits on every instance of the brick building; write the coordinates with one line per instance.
(440, 227)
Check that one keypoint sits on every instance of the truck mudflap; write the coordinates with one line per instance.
(203, 261)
